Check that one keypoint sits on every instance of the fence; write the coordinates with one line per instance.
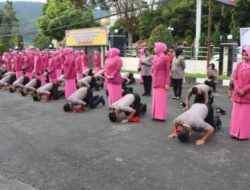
(189, 52)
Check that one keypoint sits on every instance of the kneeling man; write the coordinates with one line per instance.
(81, 98)
(192, 119)
(130, 104)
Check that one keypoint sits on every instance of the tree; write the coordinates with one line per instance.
(242, 13)
(160, 34)
(128, 11)
(10, 35)
(216, 35)
(61, 15)
(147, 21)
(41, 41)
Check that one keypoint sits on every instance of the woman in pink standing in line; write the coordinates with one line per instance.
(52, 67)
(113, 76)
(85, 60)
(96, 61)
(240, 127)
(8, 64)
(78, 64)
(17, 64)
(160, 82)
(69, 72)
(39, 67)
(29, 63)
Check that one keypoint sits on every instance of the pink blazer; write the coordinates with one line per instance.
(69, 67)
(52, 68)
(113, 69)
(241, 79)
(160, 71)
(78, 64)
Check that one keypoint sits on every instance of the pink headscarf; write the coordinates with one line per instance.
(161, 47)
(114, 52)
(77, 53)
(141, 52)
(107, 54)
(247, 50)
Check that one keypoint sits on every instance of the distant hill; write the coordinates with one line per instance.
(27, 13)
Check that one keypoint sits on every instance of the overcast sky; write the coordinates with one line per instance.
(27, 0)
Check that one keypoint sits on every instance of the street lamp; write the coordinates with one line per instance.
(230, 37)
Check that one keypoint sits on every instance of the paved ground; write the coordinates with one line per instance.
(43, 147)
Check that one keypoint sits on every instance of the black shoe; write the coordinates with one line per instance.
(102, 100)
(144, 94)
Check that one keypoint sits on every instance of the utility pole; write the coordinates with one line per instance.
(198, 27)
(209, 26)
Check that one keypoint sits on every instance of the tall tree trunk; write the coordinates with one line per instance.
(130, 39)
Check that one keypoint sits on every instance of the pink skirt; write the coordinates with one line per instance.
(53, 80)
(96, 69)
(29, 75)
(84, 68)
(58, 73)
(159, 104)
(115, 92)
(78, 76)
(19, 74)
(240, 121)
(70, 87)
(42, 79)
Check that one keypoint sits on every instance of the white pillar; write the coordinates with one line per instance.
(198, 26)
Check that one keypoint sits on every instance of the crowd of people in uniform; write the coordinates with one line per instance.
(66, 73)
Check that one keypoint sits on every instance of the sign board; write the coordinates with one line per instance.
(244, 37)
(87, 37)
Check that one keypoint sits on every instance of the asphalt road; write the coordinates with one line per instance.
(43, 148)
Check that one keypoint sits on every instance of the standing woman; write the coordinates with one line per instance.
(96, 61)
(39, 68)
(17, 64)
(146, 63)
(161, 80)
(85, 60)
(78, 64)
(177, 71)
(52, 67)
(240, 128)
(69, 73)
(113, 76)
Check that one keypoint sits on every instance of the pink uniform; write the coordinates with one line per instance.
(8, 61)
(96, 62)
(160, 78)
(240, 119)
(85, 60)
(78, 63)
(39, 68)
(52, 70)
(17, 64)
(30, 64)
(113, 65)
(69, 73)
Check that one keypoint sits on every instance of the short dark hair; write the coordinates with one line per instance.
(11, 90)
(35, 97)
(212, 65)
(183, 136)
(194, 90)
(112, 117)
(22, 93)
(67, 107)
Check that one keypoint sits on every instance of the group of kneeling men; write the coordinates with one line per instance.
(199, 117)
